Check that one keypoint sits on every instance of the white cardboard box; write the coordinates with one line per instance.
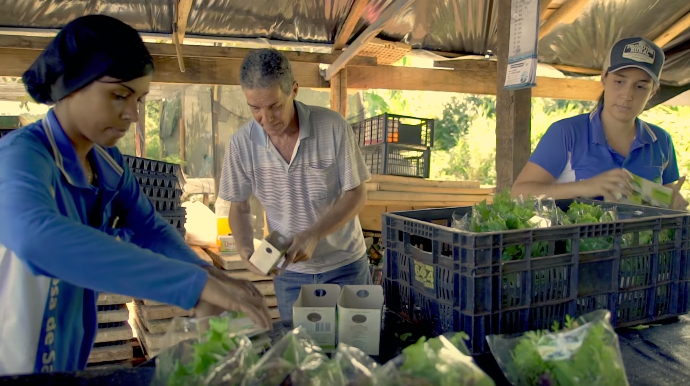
(359, 317)
(315, 311)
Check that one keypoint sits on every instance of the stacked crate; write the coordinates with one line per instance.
(162, 183)
(236, 268)
(150, 319)
(114, 338)
(396, 144)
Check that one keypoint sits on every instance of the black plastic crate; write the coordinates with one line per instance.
(176, 218)
(165, 193)
(147, 166)
(165, 205)
(157, 181)
(458, 274)
(399, 129)
(397, 160)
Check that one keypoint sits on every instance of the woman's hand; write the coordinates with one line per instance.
(612, 185)
(232, 295)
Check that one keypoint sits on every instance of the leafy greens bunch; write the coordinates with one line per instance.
(218, 357)
(585, 353)
(438, 361)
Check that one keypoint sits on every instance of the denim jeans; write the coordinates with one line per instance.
(288, 284)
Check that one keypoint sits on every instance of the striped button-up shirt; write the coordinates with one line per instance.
(326, 163)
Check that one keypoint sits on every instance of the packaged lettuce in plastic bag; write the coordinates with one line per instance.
(357, 368)
(441, 361)
(295, 360)
(585, 353)
(205, 351)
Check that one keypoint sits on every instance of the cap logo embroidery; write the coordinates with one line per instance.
(639, 52)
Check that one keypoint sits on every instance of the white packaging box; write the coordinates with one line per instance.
(360, 309)
(271, 253)
(315, 311)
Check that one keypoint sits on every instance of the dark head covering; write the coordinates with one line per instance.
(85, 50)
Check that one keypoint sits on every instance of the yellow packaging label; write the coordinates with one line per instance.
(424, 273)
(223, 228)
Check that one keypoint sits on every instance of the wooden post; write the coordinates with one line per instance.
(217, 165)
(183, 131)
(140, 133)
(339, 93)
(513, 112)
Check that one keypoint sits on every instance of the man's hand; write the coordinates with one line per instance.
(679, 203)
(301, 248)
(245, 254)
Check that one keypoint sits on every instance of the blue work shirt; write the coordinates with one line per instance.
(59, 248)
(576, 148)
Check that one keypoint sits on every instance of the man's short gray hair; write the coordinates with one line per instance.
(266, 68)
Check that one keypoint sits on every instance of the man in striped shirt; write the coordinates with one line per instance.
(303, 164)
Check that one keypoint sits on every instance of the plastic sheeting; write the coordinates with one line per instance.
(462, 26)
(587, 41)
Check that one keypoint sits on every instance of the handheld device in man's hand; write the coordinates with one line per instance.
(271, 253)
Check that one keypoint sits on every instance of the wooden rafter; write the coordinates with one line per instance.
(374, 29)
(191, 51)
(344, 33)
(673, 31)
(476, 78)
(184, 7)
(179, 27)
(577, 70)
(544, 7)
(567, 13)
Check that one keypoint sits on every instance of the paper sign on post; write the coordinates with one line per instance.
(315, 311)
(359, 317)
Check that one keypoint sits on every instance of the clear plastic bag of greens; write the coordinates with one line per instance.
(356, 366)
(441, 361)
(205, 351)
(295, 360)
(585, 353)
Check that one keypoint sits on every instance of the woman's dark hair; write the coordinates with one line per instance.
(87, 49)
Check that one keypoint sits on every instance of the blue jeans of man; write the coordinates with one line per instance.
(288, 284)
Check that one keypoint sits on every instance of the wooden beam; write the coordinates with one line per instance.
(673, 31)
(184, 7)
(216, 92)
(513, 111)
(190, 51)
(179, 26)
(345, 31)
(140, 133)
(567, 13)
(544, 7)
(374, 28)
(339, 93)
(576, 70)
(210, 71)
(469, 81)
(183, 132)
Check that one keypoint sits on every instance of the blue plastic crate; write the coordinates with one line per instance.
(437, 272)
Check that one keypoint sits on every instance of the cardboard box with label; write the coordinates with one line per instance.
(315, 311)
(271, 253)
(359, 317)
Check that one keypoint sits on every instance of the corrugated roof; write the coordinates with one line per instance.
(459, 26)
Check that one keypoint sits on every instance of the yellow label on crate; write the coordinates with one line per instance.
(424, 273)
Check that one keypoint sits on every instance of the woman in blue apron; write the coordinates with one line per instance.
(593, 155)
(73, 220)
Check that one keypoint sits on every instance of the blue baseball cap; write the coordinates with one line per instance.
(636, 53)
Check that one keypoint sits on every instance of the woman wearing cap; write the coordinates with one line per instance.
(593, 155)
(74, 221)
